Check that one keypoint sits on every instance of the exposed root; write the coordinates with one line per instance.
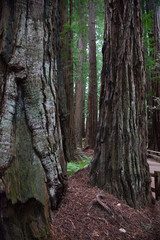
(98, 200)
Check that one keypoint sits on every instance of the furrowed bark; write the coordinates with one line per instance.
(32, 164)
(119, 164)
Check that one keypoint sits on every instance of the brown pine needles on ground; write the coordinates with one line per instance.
(87, 213)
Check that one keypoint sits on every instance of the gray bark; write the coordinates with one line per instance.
(32, 164)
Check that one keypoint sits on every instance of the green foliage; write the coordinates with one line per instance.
(151, 64)
(148, 36)
(80, 26)
(148, 24)
(146, 226)
(73, 167)
(100, 17)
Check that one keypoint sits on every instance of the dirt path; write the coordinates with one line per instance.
(153, 165)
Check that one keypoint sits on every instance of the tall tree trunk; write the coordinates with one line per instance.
(154, 129)
(70, 88)
(67, 69)
(32, 165)
(91, 128)
(119, 164)
(79, 106)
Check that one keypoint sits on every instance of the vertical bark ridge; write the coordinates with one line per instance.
(91, 126)
(32, 160)
(119, 164)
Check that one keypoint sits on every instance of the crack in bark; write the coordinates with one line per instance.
(27, 80)
(119, 164)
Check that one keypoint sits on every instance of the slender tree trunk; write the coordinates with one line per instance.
(70, 88)
(80, 69)
(91, 128)
(79, 107)
(32, 165)
(67, 66)
(119, 164)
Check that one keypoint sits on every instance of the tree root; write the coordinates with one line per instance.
(99, 201)
(112, 214)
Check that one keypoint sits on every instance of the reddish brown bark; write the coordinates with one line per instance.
(119, 164)
(67, 70)
(91, 128)
(79, 106)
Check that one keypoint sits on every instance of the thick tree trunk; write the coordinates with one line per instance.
(79, 107)
(91, 129)
(32, 164)
(119, 164)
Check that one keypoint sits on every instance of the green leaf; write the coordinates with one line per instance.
(73, 167)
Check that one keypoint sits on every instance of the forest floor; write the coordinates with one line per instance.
(87, 213)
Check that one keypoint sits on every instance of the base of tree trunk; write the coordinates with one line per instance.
(23, 220)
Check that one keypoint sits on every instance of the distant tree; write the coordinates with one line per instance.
(32, 162)
(91, 127)
(99, 20)
(153, 68)
(155, 132)
(80, 69)
(119, 164)
(67, 70)
(79, 103)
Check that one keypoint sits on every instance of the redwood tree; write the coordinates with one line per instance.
(91, 128)
(154, 81)
(32, 164)
(67, 71)
(119, 164)
(79, 102)
(79, 73)
(155, 134)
